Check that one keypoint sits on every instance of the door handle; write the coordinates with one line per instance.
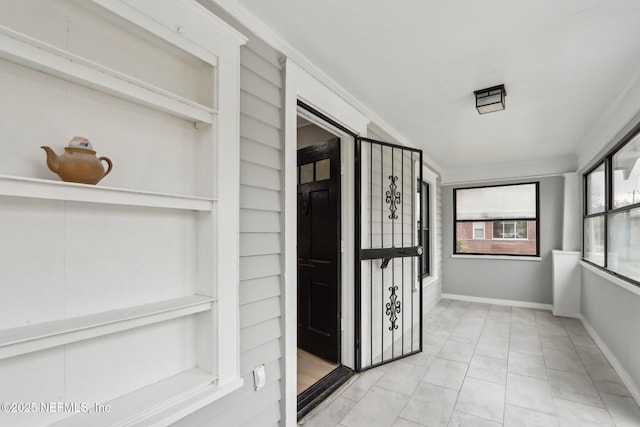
(383, 253)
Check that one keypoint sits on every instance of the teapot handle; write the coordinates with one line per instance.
(110, 165)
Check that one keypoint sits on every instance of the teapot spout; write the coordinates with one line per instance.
(52, 159)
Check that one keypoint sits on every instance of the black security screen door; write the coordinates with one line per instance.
(388, 265)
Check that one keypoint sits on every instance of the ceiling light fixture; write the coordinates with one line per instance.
(491, 99)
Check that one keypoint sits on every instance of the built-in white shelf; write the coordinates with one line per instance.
(58, 190)
(24, 50)
(153, 400)
(41, 336)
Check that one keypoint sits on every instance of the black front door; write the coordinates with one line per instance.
(319, 249)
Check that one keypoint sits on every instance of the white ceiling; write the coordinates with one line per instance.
(416, 64)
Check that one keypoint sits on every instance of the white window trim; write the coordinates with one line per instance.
(431, 177)
(484, 230)
(515, 228)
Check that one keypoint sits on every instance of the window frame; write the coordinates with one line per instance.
(425, 194)
(515, 229)
(603, 213)
(536, 219)
(609, 210)
(484, 230)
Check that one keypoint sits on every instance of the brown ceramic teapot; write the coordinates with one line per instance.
(78, 163)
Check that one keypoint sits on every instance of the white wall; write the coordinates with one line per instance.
(613, 313)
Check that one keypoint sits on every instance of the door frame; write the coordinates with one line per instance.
(301, 86)
(347, 218)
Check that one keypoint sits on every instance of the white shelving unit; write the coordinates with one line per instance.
(32, 53)
(72, 192)
(27, 339)
(88, 323)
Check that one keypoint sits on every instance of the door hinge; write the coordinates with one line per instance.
(342, 246)
(342, 324)
(341, 168)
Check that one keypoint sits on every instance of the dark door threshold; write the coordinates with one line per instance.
(314, 395)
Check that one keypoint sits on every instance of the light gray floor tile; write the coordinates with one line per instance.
(577, 388)
(572, 414)
(400, 382)
(379, 408)
(488, 369)
(421, 359)
(492, 348)
(496, 331)
(529, 392)
(460, 419)
(604, 377)
(401, 367)
(563, 360)
(559, 342)
(362, 384)
(430, 405)
(525, 344)
(459, 304)
(624, 410)
(466, 335)
(401, 422)
(573, 324)
(515, 416)
(607, 380)
(527, 364)
(431, 349)
(552, 328)
(581, 339)
(457, 350)
(522, 313)
(436, 337)
(591, 355)
(446, 373)
(482, 399)
(499, 317)
(546, 359)
(332, 414)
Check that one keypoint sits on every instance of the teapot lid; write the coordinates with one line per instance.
(80, 142)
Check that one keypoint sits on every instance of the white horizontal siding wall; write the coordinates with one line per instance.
(260, 245)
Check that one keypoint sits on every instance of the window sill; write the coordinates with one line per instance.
(501, 257)
(611, 278)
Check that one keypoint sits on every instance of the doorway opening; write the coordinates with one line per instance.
(320, 329)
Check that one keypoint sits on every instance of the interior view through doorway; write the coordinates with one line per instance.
(319, 253)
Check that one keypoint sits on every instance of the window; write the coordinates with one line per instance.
(510, 230)
(478, 230)
(426, 254)
(497, 220)
(594, 219)
(611, 229)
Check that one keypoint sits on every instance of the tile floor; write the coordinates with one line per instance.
(488, 365)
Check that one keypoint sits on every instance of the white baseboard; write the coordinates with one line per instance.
(496, 301)
(561, 314)
(613, 360)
